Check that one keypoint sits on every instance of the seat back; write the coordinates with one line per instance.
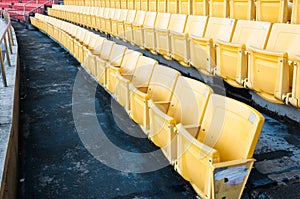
(252, 33)
(188, 101)
(275, 11)
(177, 22)
(162, 21)
(118, 4)
(129, 62)
(140, 17)
(130, 4)
(106, 49)
(137, 4)
(116, 14)
(161, 5)
(150, 19)
(200, 7)
(172, 6)
(143, 71)
(152, 5)
(295, 19)
(219, 8)
(162, 83)
(184, 7)
(96, 43)
(106, 12)
(220, 28)
(117, 54)
(111, 13)
(285, 38)
(230, 127)
(196, 25)
(242, 9)
(130, 16)
(123, 15)
(144, 5)
(123, 4)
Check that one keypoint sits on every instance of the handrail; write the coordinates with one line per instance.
(6, 36)
(36, 8)
(24, 6)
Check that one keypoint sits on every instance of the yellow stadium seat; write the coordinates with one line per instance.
(163, 43)
(180, 42)
(161, 5)
(218, 160)
(138, 20)
(101, 60)
(86, 41)
(112, 3)
(200, 7)
(184, 7)
(138, 29)
(130, 4)
(98, 16)
(118, 4)
(159, 90)
(127, 68)
(123, 4)
(187, 107)
(152, 5)
(242, 9)
(137, 4)
(107, 3)
(122, 26)
(108, 21)
(295, 12)
(139, 78)
(219, 8)
(105, 15)
(275, 11)
(144, 5)
(120, 21)
(232, 56)
(172, 6)
(162, 22)
(275, 62)
(202, 49)
(294, 97)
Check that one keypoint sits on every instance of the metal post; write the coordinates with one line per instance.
(3, 68)
(7, 50)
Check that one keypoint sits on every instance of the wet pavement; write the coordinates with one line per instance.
(62, 156)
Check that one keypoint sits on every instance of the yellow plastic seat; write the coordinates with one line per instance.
(108, 25)
(101, 61)
(161, 22)
(152, 5)
(202, 49)
(138, 21)
(116, 22)
(295, 19)
(161, 5)
(163, 43)
(184, 7)
(232, 56)
(275, 11)
(139, 78)
(294, 97)
(86, 41)
(242, 9)
(107, 20)
(187, 107)
(172, 6)
(138, 29)
(127, 68)
(219, 8)
(144, 5)
(98, 16)
(200, 7)
(123, 25)
(159, 90)
(118, 4)
(123, 4)
(103, 17)
(275, 62)
(218, 160)
(137, 4)
(130, 4)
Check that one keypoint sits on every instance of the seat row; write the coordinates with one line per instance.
(242, 52)
(192, 125)
(261, 10)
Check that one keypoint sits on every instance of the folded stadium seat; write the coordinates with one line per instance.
(78, 42)
(242, 9)
(275, 62)
(140, 78)
(218, 160)
(219, 8)
(200, 7)
(137, 4)
(161, 22)
(114, 59)
(107, 20)
(130, 4)
(105, 15)
(118, 4)
(294, 97)
(184, 7)
(203, 48)
(172, 6)
(186, 106)
(275, 11)
(152, 6)
(114, 22)
(94, 50)
(92, 12)
(138, 29)
(180, 42)
(98, 16)
(159, 90)
(85, 20)
(138, 21)
(107, 3)
(232, 56)
(116, 15)
(122, 24)
(161, 5)
(86, 41)
(127, 68)
(162, 35)
(123, 4)
(112, 3)
(78, 15)
(295, 12)
(57, 29)
(144, 5)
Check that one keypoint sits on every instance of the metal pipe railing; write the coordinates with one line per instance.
(6, 38)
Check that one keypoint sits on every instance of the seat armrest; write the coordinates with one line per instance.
(160, 109)
(141, 91)
(232, 163)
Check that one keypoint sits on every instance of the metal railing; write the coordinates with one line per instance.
(38, 6)
(6, 38)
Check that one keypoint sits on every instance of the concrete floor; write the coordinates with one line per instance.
(62, 158)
